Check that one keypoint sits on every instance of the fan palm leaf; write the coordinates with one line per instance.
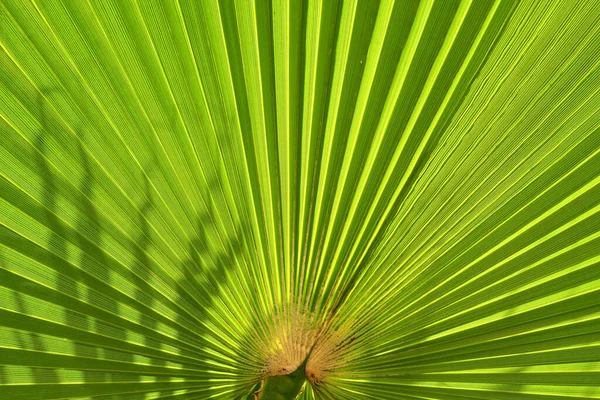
(299, 199)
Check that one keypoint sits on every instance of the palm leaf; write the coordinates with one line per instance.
(199, 196)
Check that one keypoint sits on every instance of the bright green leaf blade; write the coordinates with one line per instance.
(197, 196)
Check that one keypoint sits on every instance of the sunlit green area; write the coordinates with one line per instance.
(389, 199)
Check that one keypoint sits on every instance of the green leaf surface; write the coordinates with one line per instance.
(406, 194)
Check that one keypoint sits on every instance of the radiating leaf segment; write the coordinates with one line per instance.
(194, 194)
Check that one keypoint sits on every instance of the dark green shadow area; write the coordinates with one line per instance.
(281, 387)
